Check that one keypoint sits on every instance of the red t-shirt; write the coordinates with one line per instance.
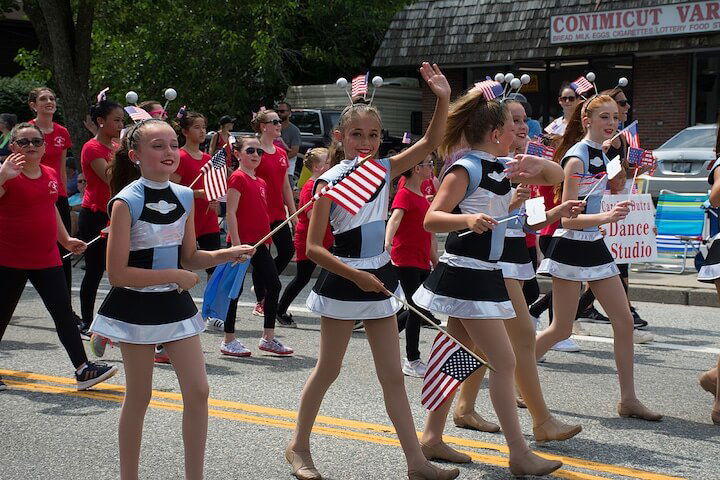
(548, 192)
(427, 187)
(28, 226)
(56, 142)
(411, 244)
(301, 230)
(273, 169)
(252, 218)
(97, 192)
(206, 220)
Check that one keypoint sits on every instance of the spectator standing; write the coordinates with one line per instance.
(291, 137)
(221, 140)
(7, 122)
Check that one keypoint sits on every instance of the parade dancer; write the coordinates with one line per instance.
(467, 284)
(356, 279)
(30, 228)
(247, 222)
(578, 253)
(710, 273)
(273, 170)
(95, 156)
(316, 160)
(151, 239)
(517, 268)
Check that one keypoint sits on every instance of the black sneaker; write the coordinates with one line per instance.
(2, 385)
(93, 373)
(359, 325)
(637, 321)
(591, 315)
(286, 320)
(85, 333)
(78, 320)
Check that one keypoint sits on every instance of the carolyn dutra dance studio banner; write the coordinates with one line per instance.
(631, 240)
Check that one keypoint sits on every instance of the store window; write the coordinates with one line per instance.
(707, 87)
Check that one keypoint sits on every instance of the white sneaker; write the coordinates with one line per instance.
(578, 329)
(214, 324)
(416, 368)
(234, 349)
(642, 337)
(567, 345)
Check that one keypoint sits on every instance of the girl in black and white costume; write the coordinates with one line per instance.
(357, 279)
(468, 284)
(577, 252)
(151, 234)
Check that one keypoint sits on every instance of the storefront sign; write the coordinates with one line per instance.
(678, 19)
(631, 240)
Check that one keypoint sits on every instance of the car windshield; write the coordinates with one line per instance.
(692, 138)
(334, 118)
(307, 122)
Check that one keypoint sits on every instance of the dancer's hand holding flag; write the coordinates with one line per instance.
(480, 222)
(241, 253)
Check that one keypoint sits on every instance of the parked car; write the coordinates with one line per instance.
(684, 162)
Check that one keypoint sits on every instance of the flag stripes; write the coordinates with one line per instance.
(359, 85)
(215, 176)
(354, 188)
(581, 85)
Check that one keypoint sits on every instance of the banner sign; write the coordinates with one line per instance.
(678, 19)
(631, 240)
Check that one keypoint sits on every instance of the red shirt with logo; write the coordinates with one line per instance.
(273, 169)
(28, 225)
(301, 230)
(427, 187)
(206, 220)
(411, 243)
(252, 218)
(56, 142)
(97, 192)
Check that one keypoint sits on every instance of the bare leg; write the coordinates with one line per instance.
(138, 362)
(188, 361)
(564, 315)
(470, 388)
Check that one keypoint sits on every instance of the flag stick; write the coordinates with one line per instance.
(499, 221)
(634, 177)
(594, 187)
(69, 254)
(621, 131)
(438, 327)
(196, 179)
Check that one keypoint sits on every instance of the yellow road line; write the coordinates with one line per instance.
(117, 390)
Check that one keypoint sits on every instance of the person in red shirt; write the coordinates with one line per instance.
(30, 228)
(316, 160)
(428, 187)
(97, 152)
(43, 102)
(248, 223)
(273, 169)
(413, 250)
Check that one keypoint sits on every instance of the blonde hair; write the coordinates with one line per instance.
(351, 112)
(312, 156)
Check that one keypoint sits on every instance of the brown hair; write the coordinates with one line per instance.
(470, 118)
(23, 126)
(35, 93)
(260, 118)
(186, 121)
(148, 104)
(312, 156)
(121, 170)
(435, 159)
(240, 141)
(350, 113)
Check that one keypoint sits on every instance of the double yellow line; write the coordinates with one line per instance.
(331, 426)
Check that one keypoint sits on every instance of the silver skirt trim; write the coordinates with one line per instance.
(119, 331)
(369, 263)
(579, 274)
(352, 310)
(458, 308)
(579, 235)
(709, 273)
(466, 262)
(517, 271)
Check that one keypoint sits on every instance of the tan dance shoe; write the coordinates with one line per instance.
(473, 421)
(443, 451)
(708, 383)
(532, 464)
(302, 465)
(553, 429)
(431, 472)
(636, 409)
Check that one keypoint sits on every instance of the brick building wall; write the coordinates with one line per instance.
(456, 79)
(661, 97)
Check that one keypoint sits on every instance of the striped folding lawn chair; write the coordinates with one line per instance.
(680, 220)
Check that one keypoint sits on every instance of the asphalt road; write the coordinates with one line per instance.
(48, 430)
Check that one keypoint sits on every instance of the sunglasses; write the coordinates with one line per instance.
(24, 142)
(274, 122)
(162, 113)
(82, 181)
(623, 103)
(252, 150)
(428, 164)
(568, 99)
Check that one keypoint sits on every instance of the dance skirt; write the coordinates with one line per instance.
(578, 256)
(337, 297)
(464, 287)
(710, 271)
(147, 317)
(515, 260)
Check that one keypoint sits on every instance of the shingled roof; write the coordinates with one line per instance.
(471, 32)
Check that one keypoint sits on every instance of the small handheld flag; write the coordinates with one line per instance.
(103, 94)
(359, 85)
(489, 88)
(182, 112)
(215, 176)
(137, 114)
(581, 85)
(540, 150)
(406, 138)
(631, 134)
(355, 188)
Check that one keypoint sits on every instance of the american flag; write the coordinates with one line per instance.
(581, 85)
(181, 113)
(215, 176)
(354, 188)
(406, 138)
(540, 150)
(631, 135)
(359, 85)
(449, 364)
(137, 114)
(490, 89)
(639, 157)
